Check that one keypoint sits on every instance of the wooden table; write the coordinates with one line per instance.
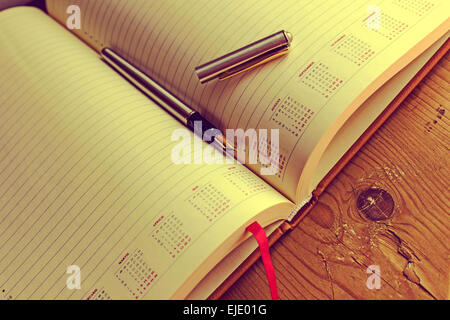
(328, 254)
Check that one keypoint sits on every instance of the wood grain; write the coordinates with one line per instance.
(327, 255)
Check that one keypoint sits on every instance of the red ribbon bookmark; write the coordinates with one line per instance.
(261, 238)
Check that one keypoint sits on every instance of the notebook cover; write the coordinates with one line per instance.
(287, 226)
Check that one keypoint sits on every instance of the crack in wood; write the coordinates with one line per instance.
(404, 250)
(330, 278)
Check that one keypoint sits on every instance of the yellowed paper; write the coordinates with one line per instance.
(342, 52)
(87, 180)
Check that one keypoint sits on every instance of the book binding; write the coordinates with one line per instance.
(292, 223)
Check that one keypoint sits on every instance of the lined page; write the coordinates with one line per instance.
(339, 56)
(87, 180)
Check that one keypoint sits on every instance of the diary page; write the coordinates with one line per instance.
(343, 50)
(92, 204)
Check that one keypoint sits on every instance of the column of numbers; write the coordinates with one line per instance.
(320, 79)
(390, 27)
(418, 7)
(99, 294)
(279, 159)
(209, 202)
(169, 234)
(244, 181)
(292, 116)
(135, 274)
(353, 49)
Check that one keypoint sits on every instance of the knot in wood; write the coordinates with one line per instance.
(376, 204)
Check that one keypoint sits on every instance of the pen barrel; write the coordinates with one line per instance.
(211, 135)
(199, 125)
(148, 86)
(268, 46)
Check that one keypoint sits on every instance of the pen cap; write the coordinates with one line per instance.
(246, 57)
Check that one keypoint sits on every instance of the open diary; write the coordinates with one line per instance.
(87, 176)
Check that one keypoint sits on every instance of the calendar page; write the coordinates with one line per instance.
(93, 206)
(88, 186)
(342, 52)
